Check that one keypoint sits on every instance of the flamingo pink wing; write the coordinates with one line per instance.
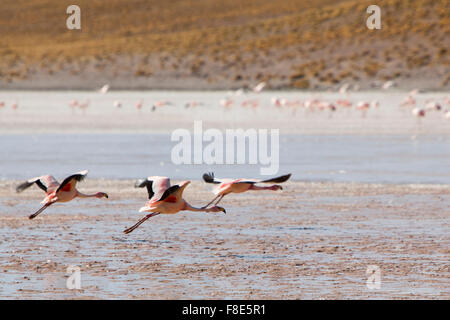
(50, 182)
(159, 186)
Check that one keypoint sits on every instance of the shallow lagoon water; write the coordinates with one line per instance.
(341, 158)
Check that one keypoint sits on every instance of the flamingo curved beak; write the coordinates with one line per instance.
(222, 209)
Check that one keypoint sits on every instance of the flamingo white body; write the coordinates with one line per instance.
(388, 84)
(166, 199)
(226, 102)
(374, 104)
(447, 115)
(344, 88)
(418, 112)
(56, 192)
(104, 89)
(433, 105)
(276, 101)
(362, 105)
(259, 87)
(409, 101)
(344, 103)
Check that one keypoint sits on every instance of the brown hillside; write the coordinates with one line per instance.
(223, 44)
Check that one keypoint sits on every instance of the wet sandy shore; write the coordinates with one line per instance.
(310, 241)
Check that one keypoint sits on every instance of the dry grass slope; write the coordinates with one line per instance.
(232, 43)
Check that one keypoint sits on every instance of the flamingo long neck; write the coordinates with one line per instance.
(82, 195)
(188, 207)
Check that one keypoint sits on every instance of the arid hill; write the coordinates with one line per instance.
(205, 44)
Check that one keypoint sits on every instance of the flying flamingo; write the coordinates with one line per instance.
(226, 186)
(165, 199)
(344, 88)
(103, 89)
(55, 192)
(238, 92)
(117, 104)
(388, 84)
(447, 115)
(259, 87)
(414, 92)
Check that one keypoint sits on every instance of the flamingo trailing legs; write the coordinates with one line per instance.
(165, 199)
(226, 186)
(55, 192)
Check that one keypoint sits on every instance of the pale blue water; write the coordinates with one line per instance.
(339, 158)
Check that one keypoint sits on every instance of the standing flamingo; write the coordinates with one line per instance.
(193, 104)
(139, 104)
(55, 192)
(83, 106)
(165, 199)
(227, 102)
(344, 103)
(226, 186)
(73, 104)
(433, 105)
(363, 106)
(418, 113)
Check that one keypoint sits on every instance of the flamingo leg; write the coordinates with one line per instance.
(219, 199)
(34, 215)
(215, 198)
(140, 222)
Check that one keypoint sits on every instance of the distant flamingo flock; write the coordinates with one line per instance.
(418, 106)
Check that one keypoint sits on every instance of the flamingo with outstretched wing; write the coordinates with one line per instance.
(165, 199)
(226, 186)
(56, 192)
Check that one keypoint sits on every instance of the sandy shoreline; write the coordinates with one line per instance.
(313, 240)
